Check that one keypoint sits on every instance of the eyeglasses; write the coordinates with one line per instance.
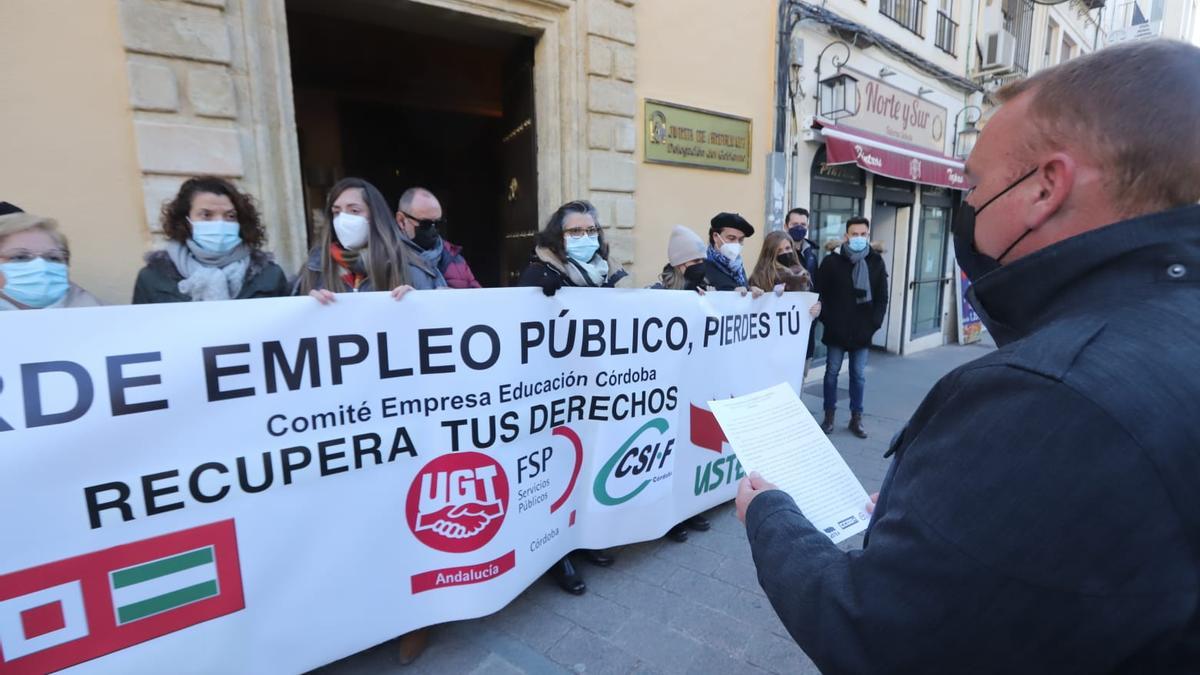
(581, 232)
(21, 255)
(425, 222)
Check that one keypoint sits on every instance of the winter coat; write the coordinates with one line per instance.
(848, 324)
(421, 276)
(547, 271)
(1041, 513)
(807, 249)
(719, 279)
(159, 280)
(454, 267)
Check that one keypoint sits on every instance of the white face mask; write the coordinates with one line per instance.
(351, 230)
(731, 250)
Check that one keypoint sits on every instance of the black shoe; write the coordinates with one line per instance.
(598, 557)
(567, 577)
(698, 523)
(678, 533)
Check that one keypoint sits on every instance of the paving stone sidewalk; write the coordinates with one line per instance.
(666, 607)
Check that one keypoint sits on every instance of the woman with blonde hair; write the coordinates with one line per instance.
(34, 265)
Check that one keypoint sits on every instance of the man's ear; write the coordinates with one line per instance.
(1054, 180)
(399, 218)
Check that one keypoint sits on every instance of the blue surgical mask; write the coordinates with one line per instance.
(857, 244)
(35, 283)
(583, 248)
(216, 236)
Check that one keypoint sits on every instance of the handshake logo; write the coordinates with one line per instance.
(457, 502)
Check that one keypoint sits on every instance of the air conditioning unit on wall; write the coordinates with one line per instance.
(999, 52)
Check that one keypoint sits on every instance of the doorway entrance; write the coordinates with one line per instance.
(890, 222)
(404, 94)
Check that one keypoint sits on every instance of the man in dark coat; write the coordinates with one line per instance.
(419, 215)
(1041, 513)
(797, 227)
(852, 281)
(723, 267)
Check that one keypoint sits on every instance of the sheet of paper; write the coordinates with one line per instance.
(774, 434)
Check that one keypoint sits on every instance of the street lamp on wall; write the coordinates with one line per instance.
(837, 95)
(964, 138)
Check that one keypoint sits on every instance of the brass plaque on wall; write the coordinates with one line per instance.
(684, 136)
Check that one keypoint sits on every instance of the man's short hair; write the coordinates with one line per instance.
(409, 195)
(796, 211)
(858, 220)
(1133, 108)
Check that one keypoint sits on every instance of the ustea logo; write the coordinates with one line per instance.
(457, 502)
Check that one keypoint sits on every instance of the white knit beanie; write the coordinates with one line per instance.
(684, 245)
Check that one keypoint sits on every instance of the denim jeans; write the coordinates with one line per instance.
(858, 377)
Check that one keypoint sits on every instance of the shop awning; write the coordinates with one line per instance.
(874, 154)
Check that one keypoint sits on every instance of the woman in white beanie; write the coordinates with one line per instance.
(683, 271)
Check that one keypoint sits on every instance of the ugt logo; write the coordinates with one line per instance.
(644, 463)
(457, 502)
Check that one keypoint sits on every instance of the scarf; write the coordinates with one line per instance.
(207, 275)
(433, 258)
(591, 273)
(353, 270)
(733, 268)
(859, 274)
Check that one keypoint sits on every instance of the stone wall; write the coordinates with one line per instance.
(611, 108)
(211, 93)
(190, 90)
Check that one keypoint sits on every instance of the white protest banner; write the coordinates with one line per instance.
(270, 485)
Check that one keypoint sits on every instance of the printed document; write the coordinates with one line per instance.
(771, 432)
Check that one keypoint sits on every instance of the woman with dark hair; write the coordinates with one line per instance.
(214, 249)
(571, 251)
(361, 250)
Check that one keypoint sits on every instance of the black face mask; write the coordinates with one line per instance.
(694, 275)
(426, 236)
(786, 259)
(973, 263)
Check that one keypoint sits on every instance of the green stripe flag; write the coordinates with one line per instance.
(164, 584)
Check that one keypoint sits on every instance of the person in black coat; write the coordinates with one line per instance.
(797, 227)
(852, 282)
(571, 251)
(1041, 513)
(723, 267)
(214, 249)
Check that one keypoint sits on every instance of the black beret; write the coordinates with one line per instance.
(735, 220)
(6, 208)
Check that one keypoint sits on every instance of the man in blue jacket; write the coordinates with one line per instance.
(1042, 511)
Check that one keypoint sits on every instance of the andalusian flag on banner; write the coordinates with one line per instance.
(162, 585)
(65, 612)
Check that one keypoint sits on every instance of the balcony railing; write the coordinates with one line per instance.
(1018, 20)
(945, 34)
(907, 13)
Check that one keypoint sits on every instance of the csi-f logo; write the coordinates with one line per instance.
(639, 461)
(457, 502)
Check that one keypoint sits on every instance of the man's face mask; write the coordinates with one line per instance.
(973, 263)
(425, 234)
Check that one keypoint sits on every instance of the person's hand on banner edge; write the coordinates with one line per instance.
(756, 292)
(700, 290)
(871, 504)
(323, 296)
(750, 487)
(399, 292)
(550, 284)
(815, 310)
(778, 290)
